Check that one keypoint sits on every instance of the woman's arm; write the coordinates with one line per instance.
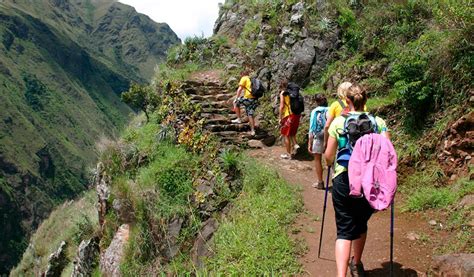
(329, 120)
(330, 152)
(282, 105)
(310, 143)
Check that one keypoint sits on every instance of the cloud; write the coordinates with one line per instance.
(187, 18)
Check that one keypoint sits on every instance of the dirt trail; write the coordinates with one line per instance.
(410, 259)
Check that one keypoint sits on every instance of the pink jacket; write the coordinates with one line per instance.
(373, 170)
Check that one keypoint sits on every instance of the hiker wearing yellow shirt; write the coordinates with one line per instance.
(337, 108)
(247, 100)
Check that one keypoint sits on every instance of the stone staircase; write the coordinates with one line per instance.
(216, 102)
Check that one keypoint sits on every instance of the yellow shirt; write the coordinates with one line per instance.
(338, 125)
(335, 109)
(286, 106)
(247, 86)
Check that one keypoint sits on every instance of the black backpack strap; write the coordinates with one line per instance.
(341, 103)
(373, 118)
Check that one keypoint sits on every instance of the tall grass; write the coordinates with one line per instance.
(254, 240)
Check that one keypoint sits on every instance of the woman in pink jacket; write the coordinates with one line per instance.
(352, 214)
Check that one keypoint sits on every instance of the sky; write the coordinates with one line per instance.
(187, 18)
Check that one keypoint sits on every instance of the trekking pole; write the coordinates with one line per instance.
(392, 211)
(324, 210)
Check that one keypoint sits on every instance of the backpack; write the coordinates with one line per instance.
(318, 119)
(296, 99)
(355, 126)
(257, 88)
(373, 170)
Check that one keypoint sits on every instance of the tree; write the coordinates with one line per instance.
(141, 98)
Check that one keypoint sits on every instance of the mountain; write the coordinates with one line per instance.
(63, 66)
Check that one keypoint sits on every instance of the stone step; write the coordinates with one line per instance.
(205, 90)
(243, 127)
(224, 119)
(258, 136)
(217, 105)
(221, 111)
(215, 97)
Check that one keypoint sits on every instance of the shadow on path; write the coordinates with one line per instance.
(398, 271)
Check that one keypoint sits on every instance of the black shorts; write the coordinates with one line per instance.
(352, 214)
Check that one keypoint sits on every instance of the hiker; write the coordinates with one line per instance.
(317, 122)
(337, 108)
(247, 100)
(352, 214)
(290, 115)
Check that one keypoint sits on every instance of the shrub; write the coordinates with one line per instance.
(229, 160)
(142, 98)
(348, 23)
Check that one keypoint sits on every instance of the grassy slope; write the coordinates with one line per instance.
(77, 220)
(53, 97)
(254, 240)
(58, 94)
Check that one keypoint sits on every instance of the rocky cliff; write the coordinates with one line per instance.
(63, 65)
(287, 40)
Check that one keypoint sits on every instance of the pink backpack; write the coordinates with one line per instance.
(373, 170)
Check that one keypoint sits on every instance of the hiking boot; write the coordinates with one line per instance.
(357, 270)
(236, 121)
(318, 185)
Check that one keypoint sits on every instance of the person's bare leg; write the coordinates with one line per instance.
(319, 167)
(343, 251)
(292, 142)
(288, 145)
(237, 111)
(252, 123)
(358, 246)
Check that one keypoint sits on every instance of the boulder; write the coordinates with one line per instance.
(111, 258)
(455, 265)
(174, 227)
(201, 248)
(253, 143)
(101, 182)
(297, 13)
(302, 57)
(231, 23)
(85, 260)
(57, 261)
(467, 201)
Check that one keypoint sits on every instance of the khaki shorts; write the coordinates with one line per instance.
(318, 143)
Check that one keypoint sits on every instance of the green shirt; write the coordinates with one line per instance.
(338, 124)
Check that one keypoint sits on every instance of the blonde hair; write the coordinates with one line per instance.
(342, 90)
(357, 96)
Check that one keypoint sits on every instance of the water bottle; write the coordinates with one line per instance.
(342, 142)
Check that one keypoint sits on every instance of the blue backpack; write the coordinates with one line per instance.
(318, 119)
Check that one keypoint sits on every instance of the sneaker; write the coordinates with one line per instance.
(285, 156)
(318, 185)
(356, 269)
(252, 133)
(236, 121)
(295, 149)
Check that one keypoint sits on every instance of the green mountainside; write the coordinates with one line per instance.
(63, 65)
(175, 199)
